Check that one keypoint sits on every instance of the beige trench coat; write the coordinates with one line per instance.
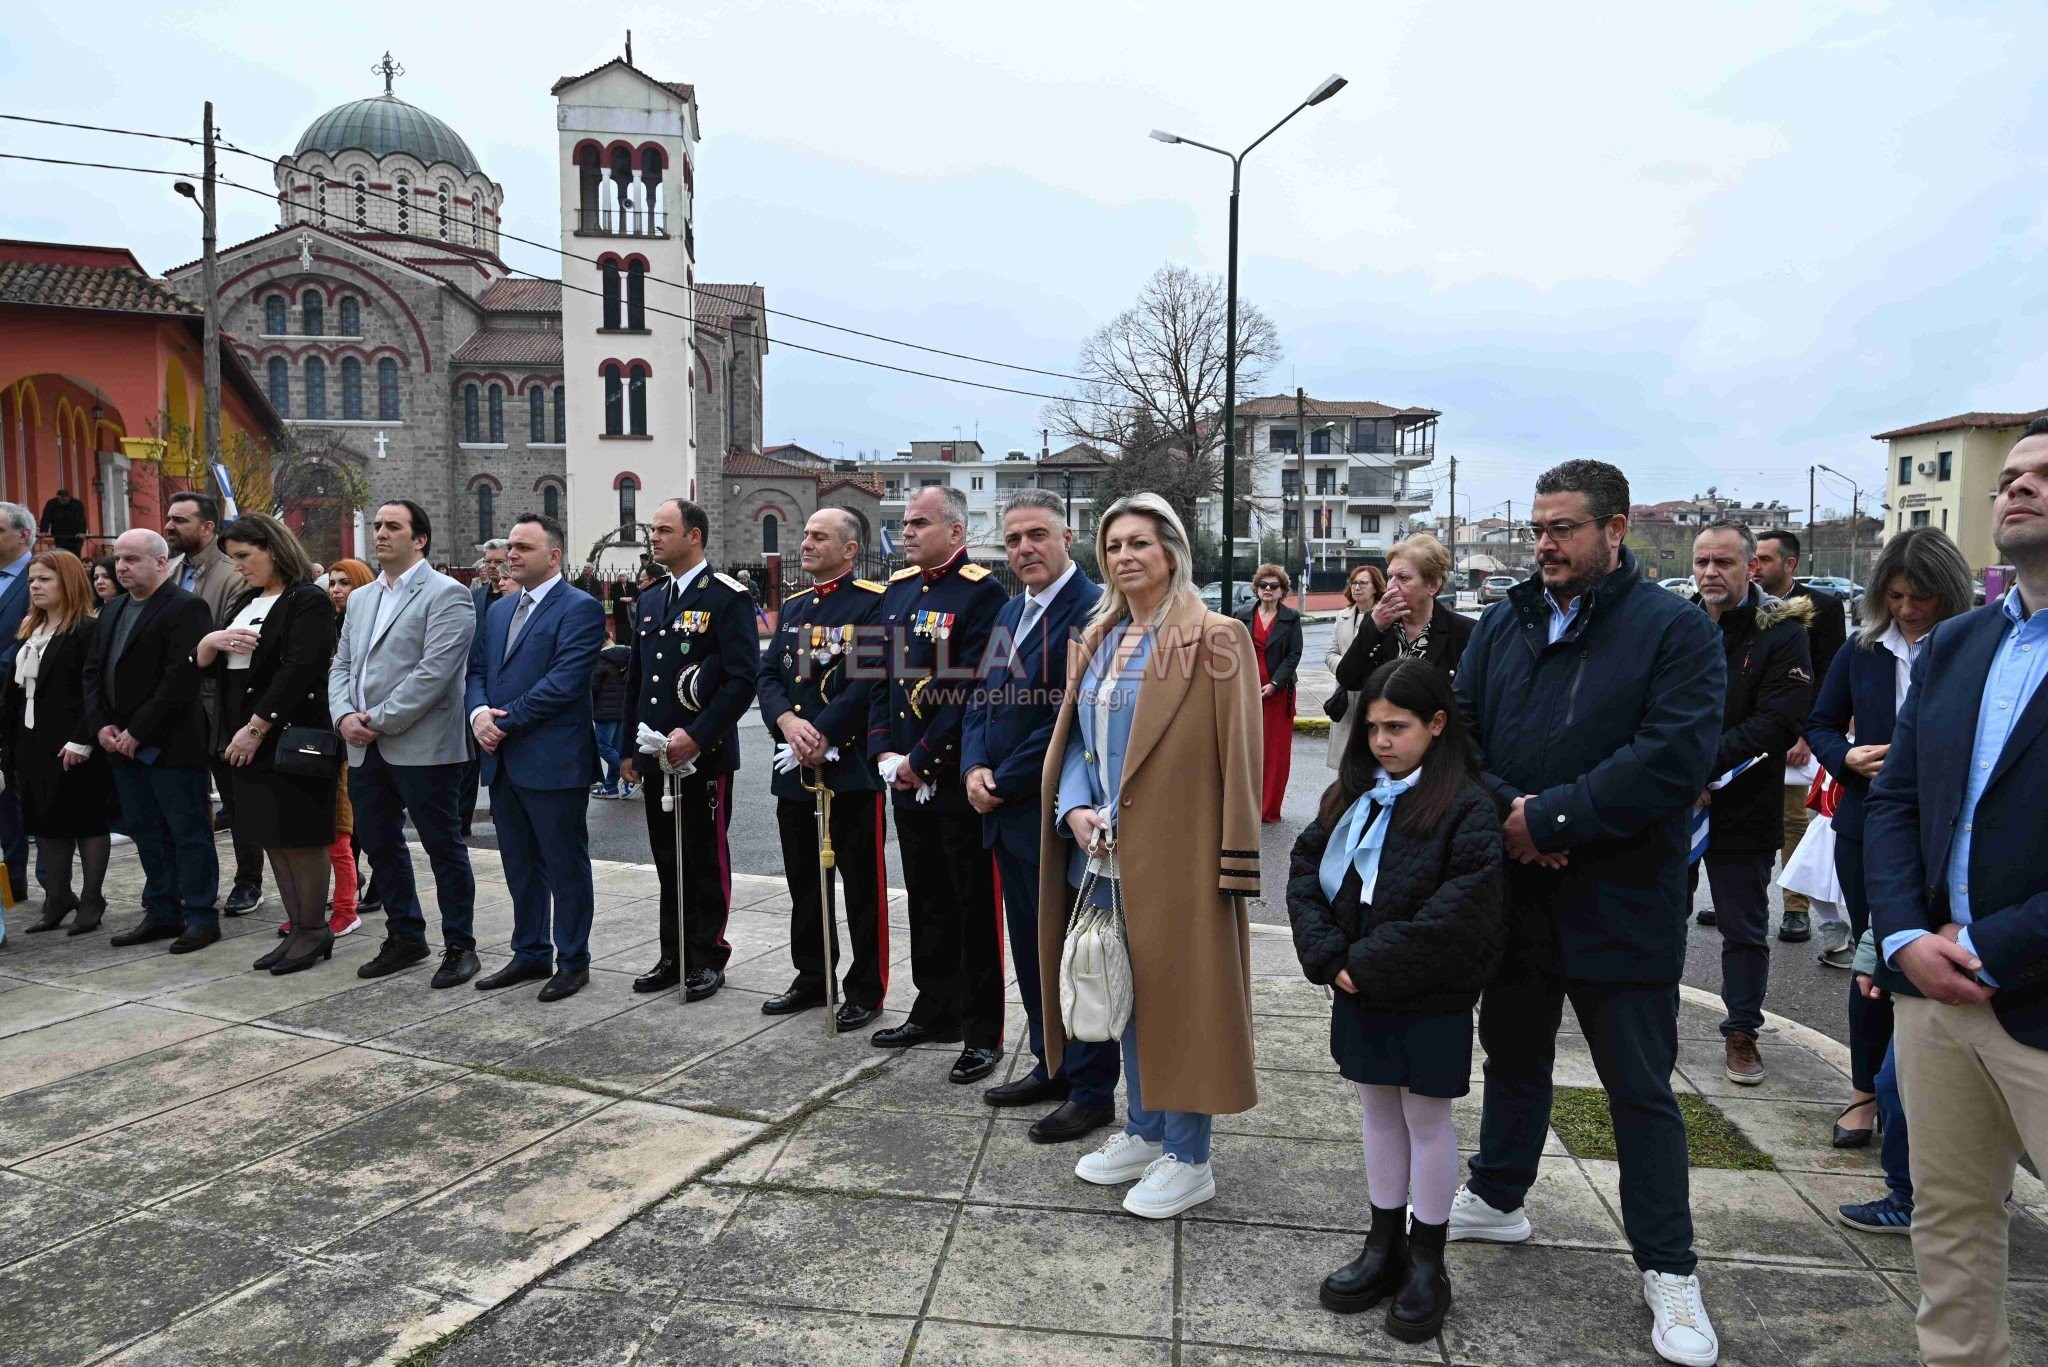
(1188, 846)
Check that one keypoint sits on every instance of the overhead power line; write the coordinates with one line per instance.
(100, 166)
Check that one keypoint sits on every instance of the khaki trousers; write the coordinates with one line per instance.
(1975, 1098)
(1795, 828)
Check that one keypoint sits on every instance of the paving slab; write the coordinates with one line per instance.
(1038, 1269)
(373, 1007)
(651, 1041)
(497, 1027)
(776, 1071)
(940, 1344)
(1796, 1134)
(1746, 1217)
(557, 1329)
(1297, 1104)
(1791, 1073)
(40, 1214)
(1015, 1171)
(1255, 1286)
(28, 1006)
(882, 1152)
(35, 1058)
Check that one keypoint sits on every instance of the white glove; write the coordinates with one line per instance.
(653, 742)
(786, 761)
(889, 768)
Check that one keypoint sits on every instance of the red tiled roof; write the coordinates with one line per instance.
(680, 89)
(1080, 453)
(522, 296)
(511, 348)
(1282, 406)
(327, 233)
(722, 303)
(114, 289)
(751, 466)
(867, 484)
(1963, 420)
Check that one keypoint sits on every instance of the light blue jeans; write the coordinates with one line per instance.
(1184, 1134)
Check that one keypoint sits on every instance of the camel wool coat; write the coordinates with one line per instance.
(1188, 847)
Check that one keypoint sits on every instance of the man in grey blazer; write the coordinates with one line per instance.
(395, 692)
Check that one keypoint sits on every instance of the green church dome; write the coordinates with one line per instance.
(385, 124)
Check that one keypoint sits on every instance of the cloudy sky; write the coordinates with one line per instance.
(1713, 243)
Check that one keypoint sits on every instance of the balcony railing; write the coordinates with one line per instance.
(623, 222)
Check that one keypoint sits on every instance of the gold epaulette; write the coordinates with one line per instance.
(905, 573)
(870, 585)
(971, 571)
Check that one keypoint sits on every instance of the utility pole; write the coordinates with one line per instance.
(210, 281)
(1301, 494)
(1812, 518)
(1454, 523)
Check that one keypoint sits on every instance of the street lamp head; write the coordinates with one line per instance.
(185, 188)
(1161, 135)
(1327, 89)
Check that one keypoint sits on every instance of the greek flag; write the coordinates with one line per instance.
(888, 542)
(1700, 815)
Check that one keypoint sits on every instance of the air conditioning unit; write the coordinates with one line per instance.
(1925, 467)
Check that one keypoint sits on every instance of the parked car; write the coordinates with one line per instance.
(1496, 587)
(1845, 589)
(1243, 594)
(1682, 584)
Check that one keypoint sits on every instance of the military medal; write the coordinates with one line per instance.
(819, 652)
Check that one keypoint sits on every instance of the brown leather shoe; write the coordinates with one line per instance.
(1745, 1064)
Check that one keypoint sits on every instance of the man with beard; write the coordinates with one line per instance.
(1595, 700)
(1956, 837)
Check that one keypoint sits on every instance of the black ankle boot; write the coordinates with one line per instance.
(1374, 1274)
(1425, 1296)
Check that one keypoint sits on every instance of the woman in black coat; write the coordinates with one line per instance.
(1276, 637)
(271, 662)
(46, 740)
(1395, 895)
(1407, 620)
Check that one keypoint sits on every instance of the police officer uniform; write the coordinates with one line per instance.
(695, 654)
(809, 670)
(937, 623)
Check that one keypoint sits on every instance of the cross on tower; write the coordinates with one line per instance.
(387, 69)
(382, 441)
(305, 251)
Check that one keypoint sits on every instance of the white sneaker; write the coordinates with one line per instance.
(1682, 1333)
(1123, 1159)
(1472, 1218)
(1170, 1187)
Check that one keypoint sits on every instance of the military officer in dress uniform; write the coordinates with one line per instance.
(813, 704)
(937, 615)
(695, 653)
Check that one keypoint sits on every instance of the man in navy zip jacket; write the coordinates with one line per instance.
(1956, 869)
(1595, 698)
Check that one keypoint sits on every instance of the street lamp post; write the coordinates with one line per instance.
(1855, 514)
(209, 281)
(1322, 92)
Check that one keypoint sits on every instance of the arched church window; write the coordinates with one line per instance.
(320, 198)
(403, 195)
(636, 295)
(609, 273)
(614, 402)
(387, 390)
(536, 414)
(636, 399)
(471, 427)
(551, 500)
(361, 186)
(443, 198)
(486, 511)
(281, 386)
(561, 414)
(629, 500)
(312, 313)
(476, 218)
(771, 535)
(351, 316)
(316, 387)
(351, 389)
(274, 316)
(497, 414)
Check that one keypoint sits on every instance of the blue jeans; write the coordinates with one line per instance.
(14, 837)
(1184, 1134)
(383, 796)
(1893, 1147)
(608, 751)
(168, 815)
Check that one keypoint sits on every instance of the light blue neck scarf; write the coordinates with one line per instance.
(1359, 837)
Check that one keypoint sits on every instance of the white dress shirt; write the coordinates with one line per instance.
(1042, 600)
(538, 593)
(392, 593)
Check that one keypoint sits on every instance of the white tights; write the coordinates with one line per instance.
(1411, 1151)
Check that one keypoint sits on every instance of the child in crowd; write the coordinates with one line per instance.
(1395, 896)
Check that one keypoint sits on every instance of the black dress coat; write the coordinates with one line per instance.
(152, 690)
(1283, 643)
(286, 685)
(1372, 647)
(60, 803)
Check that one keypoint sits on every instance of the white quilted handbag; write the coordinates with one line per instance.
(1095, 965)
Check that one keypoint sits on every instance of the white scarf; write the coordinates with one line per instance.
(28, 664)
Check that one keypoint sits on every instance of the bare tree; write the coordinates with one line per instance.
(1152, 389)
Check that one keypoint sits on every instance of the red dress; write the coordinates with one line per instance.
(1278, 710)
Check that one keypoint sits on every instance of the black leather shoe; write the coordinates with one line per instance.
(196, 939)
(974, 1064)
(791, 1002)
(909, 1033)
(700, 983)
(369, 906)
(850, 1017)
(1796, 928)
(458, 966)
(1705, 918)
(514, 973)
(665, 974)
(395, 954)
(1028, 1090)
(243, 900)
(144, 933)
(1425, 1296)
(1376, 1272)
(1069, 1122)
(567, 983)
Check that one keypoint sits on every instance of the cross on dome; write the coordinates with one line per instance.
(387, 69)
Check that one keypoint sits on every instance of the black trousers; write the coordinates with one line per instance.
(1740, 885)
(472, 777)
(1632, 1029)
(706, 872)
(956, 938)
(1870, 1022)
(857, 835)
(248, 854)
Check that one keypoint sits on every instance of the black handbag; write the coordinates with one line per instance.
(1337, 704)
(307, 752)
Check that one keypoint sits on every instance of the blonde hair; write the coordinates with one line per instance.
(1173, 538)
(75, 598)
(1426, 554)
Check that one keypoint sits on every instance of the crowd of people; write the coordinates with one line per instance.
(1521, 812)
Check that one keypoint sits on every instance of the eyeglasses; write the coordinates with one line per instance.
(1533, 532)
(1269, 584)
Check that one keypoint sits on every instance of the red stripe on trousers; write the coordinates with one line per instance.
(882, 892)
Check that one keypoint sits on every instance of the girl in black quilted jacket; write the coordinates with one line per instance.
(1395, 896)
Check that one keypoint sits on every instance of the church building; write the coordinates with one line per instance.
(392, 339)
